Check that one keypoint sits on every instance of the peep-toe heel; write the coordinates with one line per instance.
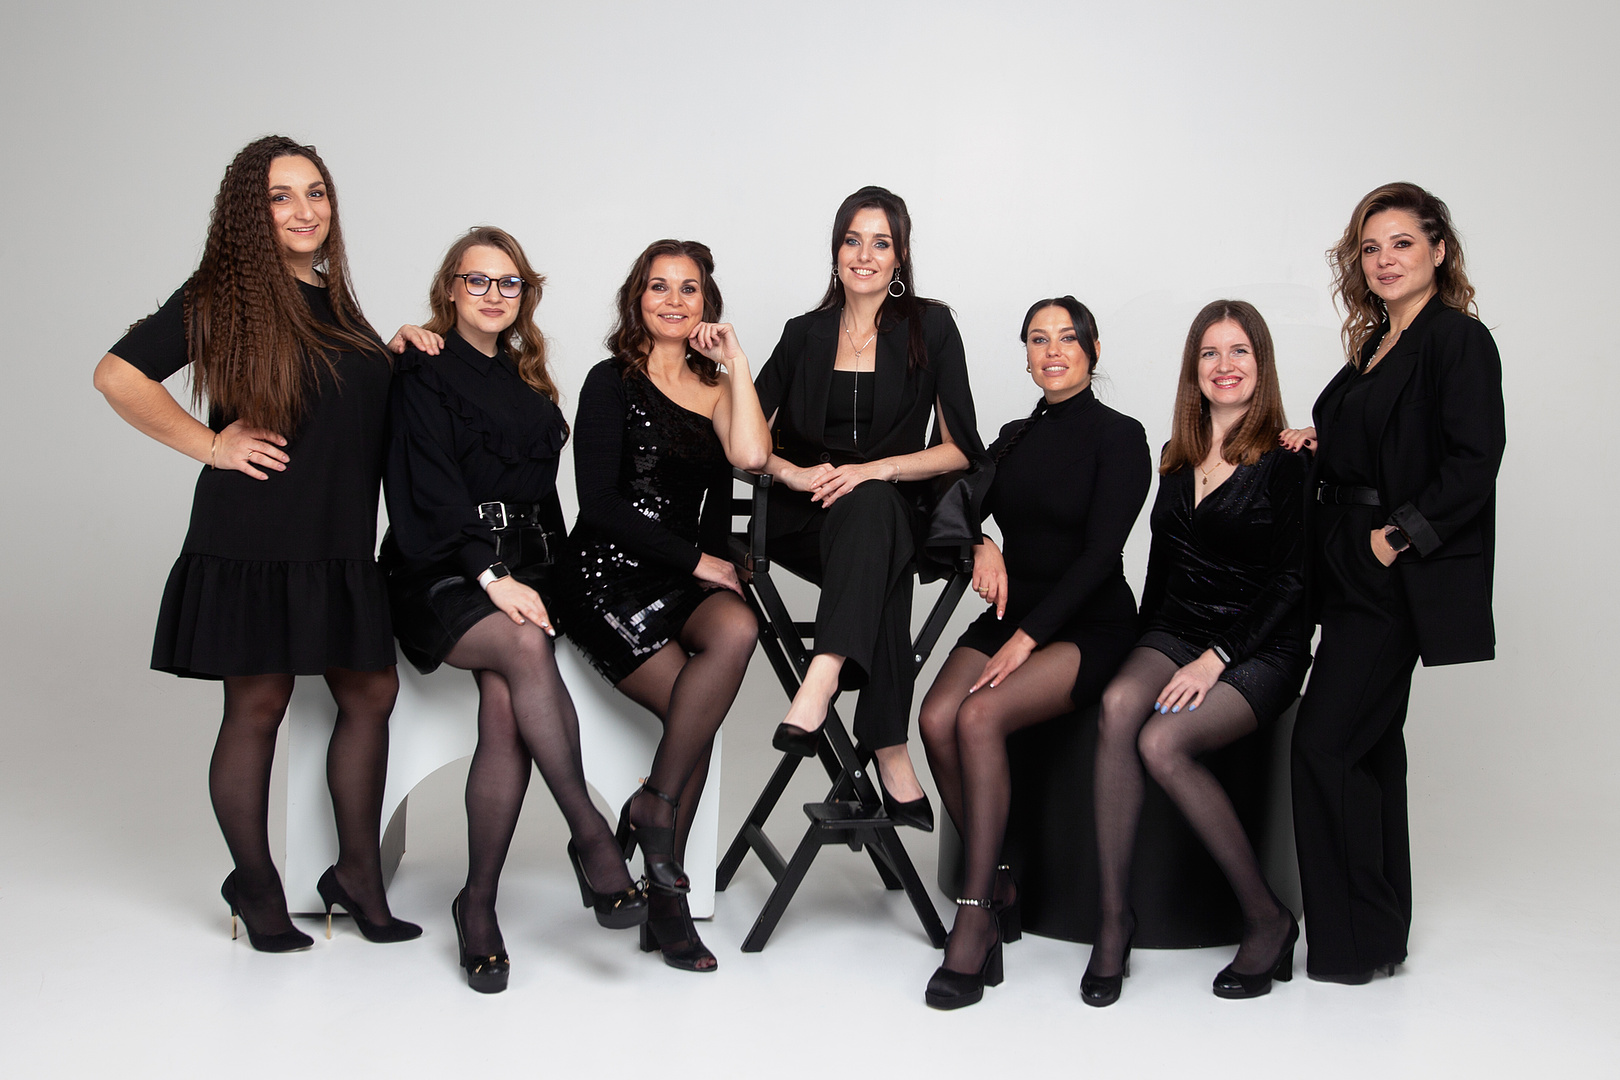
(657, 844)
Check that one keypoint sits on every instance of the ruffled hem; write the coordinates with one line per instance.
(224, 617)
(512, 448)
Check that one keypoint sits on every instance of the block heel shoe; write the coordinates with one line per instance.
(676, 937)
(657, 845)
(485, 974)
(1101, 991)
(1010, 914)
(616, 911)
(287, 941)
(956, 989)
(1236, 985)
(335, 895)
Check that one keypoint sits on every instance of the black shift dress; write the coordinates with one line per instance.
(279, 576)
(654, 496)
(1066, 496)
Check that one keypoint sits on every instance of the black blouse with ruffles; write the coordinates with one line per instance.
(466, 429)
(1228, 574)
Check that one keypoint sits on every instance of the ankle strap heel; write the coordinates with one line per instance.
(657, 844)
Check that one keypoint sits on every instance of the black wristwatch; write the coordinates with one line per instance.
(495, 572)
(1397, 540)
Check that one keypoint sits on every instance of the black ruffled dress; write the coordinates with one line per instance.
(465, 430)
(279, 576)
(654, 491)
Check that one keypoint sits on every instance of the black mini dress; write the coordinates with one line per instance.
(654, 491)
(466, 432)
(1069, 485)
(1228, 574)
(279, 576)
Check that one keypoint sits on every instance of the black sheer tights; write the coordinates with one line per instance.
(966, 739)
(524, 714)
(356, 769)
(1132, 734)
(689, 685)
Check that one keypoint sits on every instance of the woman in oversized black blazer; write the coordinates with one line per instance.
(849, 391)
(1409, 438)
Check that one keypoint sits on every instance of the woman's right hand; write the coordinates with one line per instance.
(411, 334)
(1297, 439)
(715, 571)
(521, 603)
(797, 479)
(247, 449)
(990, 576)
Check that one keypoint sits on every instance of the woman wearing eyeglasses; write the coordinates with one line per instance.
(474, 519)
(277, 576)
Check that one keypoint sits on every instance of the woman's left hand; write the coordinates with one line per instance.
(410, 334)
(831, 486)
(1190, 684)
(1008, 659)
(718, 341)
(1381, 549)
(718, 572)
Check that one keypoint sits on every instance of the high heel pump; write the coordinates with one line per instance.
(1235, 984)
(485, 974)
(334, 894)
(949, 989)
(675, 936)
(287, 941)
(1009, 914)
(1104, 990)
(616, 911)
(796, 740)
(918, 812)
(657, 845)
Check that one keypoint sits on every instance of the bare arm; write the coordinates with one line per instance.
(738, 421)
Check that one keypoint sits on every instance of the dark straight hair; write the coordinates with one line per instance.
(1085, 324)
(908, 305)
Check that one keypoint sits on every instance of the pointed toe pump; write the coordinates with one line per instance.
(485, 974)
(1236, 985)
(657, 845)
(949, 989)
(334, 894)
(795, 740)
(616, 911)
(286, 941)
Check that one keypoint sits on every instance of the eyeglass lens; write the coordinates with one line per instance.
(478, 285)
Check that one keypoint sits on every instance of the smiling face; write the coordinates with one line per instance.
(482, 319)
(299, 209)
(1227, 371)
(672, 303)
(867, 256)
(1397, 258)
(1057, 361)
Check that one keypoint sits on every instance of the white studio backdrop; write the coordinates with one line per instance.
(1146, 158)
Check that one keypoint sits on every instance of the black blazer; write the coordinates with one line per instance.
(795, 381)
(1443, 431)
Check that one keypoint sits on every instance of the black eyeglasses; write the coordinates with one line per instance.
(478, 284)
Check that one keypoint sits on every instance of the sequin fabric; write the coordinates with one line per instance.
(618, 607)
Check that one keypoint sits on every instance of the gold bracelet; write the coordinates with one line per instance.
(213, 448)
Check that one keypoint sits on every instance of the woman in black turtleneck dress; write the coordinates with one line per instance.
(1070, 481)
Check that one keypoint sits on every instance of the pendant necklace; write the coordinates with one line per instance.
(1211, 471)
(855, 421)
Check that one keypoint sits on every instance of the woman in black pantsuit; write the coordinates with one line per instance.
(848, 392)
(1402, 537)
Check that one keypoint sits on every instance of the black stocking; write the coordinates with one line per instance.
(1131, 733)
(542, 715)
(496, 783)
(690, 686)
(1037, 691)
(356, 772)
(239, 784)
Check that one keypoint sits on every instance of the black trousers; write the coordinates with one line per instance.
(859, 552)
(1349, 757)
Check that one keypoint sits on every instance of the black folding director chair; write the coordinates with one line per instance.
(852, 811)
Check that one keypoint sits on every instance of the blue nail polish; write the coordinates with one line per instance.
(1176, 709)
(1191, 708)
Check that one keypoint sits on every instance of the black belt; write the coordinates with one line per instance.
(499, 515)
(1347, 495)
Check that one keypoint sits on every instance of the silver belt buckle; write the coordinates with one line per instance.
(489, 515)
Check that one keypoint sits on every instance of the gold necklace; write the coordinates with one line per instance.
(1210, 472)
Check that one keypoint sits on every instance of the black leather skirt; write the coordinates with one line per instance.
(434, 606)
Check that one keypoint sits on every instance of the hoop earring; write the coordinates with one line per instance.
(896, 281)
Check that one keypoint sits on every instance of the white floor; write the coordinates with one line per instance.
(115, 957)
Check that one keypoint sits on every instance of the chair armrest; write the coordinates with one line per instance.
(748, 548)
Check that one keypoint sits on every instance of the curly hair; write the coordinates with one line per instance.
(908, 305)
(630, 341)
(1257, 431)
(1363, 309)
(523, 338)
(254, 347)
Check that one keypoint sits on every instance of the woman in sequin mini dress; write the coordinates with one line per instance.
(645, 589)
(1225, 646)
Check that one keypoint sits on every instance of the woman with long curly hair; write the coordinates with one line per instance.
(1224, 645)
(277, 576)
(647, 591)
(849, 391)
(1409, 435)
(474, 523)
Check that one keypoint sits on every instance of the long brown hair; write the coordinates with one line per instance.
(630, 341)
(254, 347)
(908, 305)
(1257, 431)
(1363, 309)
(523, 339)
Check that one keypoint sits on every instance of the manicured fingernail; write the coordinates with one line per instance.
(1190, 708)
(1176, 709)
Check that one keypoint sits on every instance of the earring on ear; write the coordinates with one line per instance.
(896, 281)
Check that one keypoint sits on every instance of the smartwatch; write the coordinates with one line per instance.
(1397, 540)
(495, 572)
